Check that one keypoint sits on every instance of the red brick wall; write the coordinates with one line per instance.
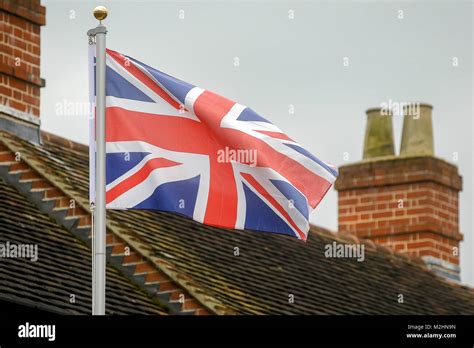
(410, 204)
(20, 81)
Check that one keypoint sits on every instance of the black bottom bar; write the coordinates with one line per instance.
(135, 331)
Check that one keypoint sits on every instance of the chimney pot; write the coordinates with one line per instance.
(417, 136)
(378, 135)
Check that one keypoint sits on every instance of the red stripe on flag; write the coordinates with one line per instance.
(211, 108)
(168, 132)
(221, 209)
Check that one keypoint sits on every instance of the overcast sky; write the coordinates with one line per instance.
(289, 53)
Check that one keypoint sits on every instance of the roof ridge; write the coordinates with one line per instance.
(348, 237)
(64, 142)
(185, 282)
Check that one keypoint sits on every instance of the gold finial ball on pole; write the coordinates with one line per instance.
(100, 13)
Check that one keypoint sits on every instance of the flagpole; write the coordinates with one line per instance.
(99, 243)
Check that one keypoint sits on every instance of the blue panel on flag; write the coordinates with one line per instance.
(291, 193)
(260, 217)
(176, 87)
(178, 196)
(117, 86)
(119, 163)
(249, 115)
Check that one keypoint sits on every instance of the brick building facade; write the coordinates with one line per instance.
(20, 79)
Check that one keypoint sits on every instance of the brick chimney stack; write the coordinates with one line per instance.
(408, 202)
(20, 81)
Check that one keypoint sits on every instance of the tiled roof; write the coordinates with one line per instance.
(269, 271)
(63, 267)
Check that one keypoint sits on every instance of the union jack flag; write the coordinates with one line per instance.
(175, 147)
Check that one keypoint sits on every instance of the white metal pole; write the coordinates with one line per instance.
(99, 243)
